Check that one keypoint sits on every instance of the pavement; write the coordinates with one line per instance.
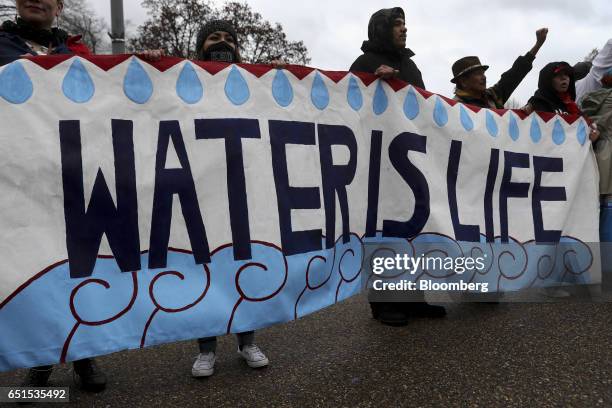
(480, 355)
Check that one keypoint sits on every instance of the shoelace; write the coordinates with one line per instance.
(208, 356)
(253, 351)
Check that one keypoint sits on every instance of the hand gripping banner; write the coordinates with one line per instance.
(143, 204)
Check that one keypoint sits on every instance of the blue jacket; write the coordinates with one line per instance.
(12, 47)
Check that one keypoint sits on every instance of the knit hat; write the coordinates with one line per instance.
(211, 27)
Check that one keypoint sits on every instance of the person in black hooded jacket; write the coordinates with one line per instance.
(556, 90)
(385, 53)
(556, 93)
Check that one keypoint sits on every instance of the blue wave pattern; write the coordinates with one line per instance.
(180, 302)
(508, 267)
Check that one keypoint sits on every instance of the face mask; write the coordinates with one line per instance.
(220, 52)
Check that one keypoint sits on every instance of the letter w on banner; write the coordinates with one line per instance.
(147, 204)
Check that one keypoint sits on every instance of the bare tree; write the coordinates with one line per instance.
(173, 25)
(77, 18)
(7, 9)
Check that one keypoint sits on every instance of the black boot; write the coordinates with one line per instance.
(90, 377)
(422, 309)
(388, 313)
(38, 376)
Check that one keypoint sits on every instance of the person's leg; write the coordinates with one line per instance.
(204, 365)
(90, 377)
(245, 338)
(207, 344)
(38, 376)
(247, 348)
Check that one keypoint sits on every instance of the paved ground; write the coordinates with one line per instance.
(509, 355)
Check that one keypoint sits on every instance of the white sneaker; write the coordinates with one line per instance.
(204, 365)
(254, 357)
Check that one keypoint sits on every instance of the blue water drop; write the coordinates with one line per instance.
(353, 95)
(440, 115)
(466, 121)
(513, 129)
(491, 124)
(236, 87)
(77, 84)
(319, 93)
(535, 132)
(411, 104)
(137, 85)
(188, 85)
(15, 84)
(281, 89)
(581, 133)
(558, 134)
(380, 99)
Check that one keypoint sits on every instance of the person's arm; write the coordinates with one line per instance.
(540, 39)
(512, 78)
(601, 64)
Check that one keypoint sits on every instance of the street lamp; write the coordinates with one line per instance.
(117, 33)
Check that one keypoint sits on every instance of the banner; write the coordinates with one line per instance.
(143, 204)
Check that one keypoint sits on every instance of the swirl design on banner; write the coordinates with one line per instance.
(81, 321)
(159, 307)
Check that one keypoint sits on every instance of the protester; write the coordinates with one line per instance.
(385, 55)
(217, 41)
(598, 107)
(32, 33)
(600, 65)
(556, 93)
(471, 82)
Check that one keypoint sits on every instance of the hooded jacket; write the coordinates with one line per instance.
(14, 37)
(379, 49)
(546, 98)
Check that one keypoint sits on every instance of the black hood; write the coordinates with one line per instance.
(380, 32)
(547, 73)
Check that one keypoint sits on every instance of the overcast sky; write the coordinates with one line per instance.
(439, 31)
